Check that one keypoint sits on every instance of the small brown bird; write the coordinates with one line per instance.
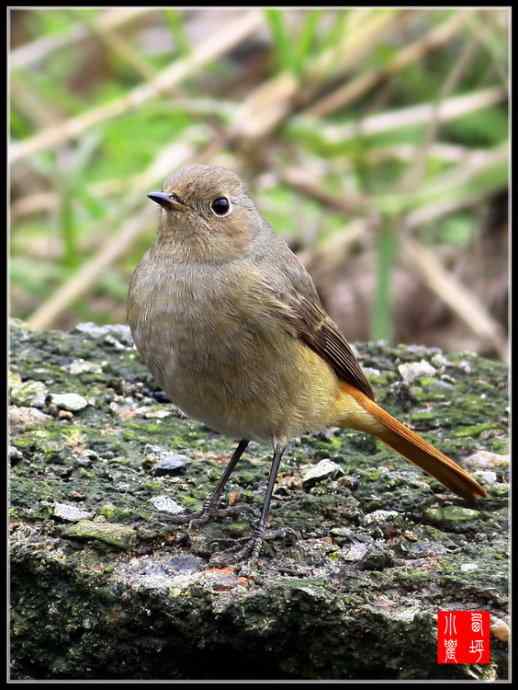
(231, 326)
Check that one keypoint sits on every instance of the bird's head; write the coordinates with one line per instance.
(206, 214)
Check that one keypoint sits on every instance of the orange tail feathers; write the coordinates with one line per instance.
(417, 450)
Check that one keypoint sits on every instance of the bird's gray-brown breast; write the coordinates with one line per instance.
(204, 340)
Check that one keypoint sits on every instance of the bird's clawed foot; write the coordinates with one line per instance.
(206, 514)
(239, 554)
(249, 553)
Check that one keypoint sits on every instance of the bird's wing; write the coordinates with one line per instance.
(317, 329)
(294, 299)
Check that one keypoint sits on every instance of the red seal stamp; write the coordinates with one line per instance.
(463, 637)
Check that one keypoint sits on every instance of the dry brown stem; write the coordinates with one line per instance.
(31, 53)
(453, 293)
(215, 46)
(358, 86)
(449, 109)
(269, 104)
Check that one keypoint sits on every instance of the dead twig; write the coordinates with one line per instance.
(452, 182)
(416, 171)
(482, 32)
(305, 184)
(31, 53)
(453, 293)
(461, 175)
(120, 48)
(413, 220)
(34, 203)
(269, 104)
(38, 111)
(333, 253)
(90, 271)
(450, 153)
(218, 44)
(449, 109)
(359, 86)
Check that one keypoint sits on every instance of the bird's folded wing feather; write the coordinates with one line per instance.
(316, 328)
(297, 305)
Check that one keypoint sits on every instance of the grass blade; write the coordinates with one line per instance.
(382, 327)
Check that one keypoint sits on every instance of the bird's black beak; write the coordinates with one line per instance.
(160, 198)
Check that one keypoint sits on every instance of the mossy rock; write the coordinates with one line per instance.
(347, 593)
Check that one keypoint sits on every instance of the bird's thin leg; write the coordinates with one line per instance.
(210, 507)
(253, 546)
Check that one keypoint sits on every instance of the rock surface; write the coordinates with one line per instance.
(351, 591)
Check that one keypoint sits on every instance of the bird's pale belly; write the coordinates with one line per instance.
(249, 389)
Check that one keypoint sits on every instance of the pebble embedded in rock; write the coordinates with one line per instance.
(500, 629)
(73, 402)
(356, 552)
(23, 418)
(29, 394)
(415, 370)
(110, 533)
(70, 513)
(369, 371)
(65, 414)
(155, 412)
(465, 366)
(342, 535)
(91, 329)
(171, 463)
(422, 549)
(484, 459)
(84, 461)
(486, 476)
(415, 349)
(325, 469)
(451, 515)
(376, 559)
(440, 361)
(379, 516)
(110, 340)
(410, 535)
(167, 505)
(15, 455)
(81, 366)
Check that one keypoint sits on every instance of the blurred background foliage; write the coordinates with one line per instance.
(374, 140)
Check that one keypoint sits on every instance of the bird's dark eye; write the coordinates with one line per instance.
(220, 206)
